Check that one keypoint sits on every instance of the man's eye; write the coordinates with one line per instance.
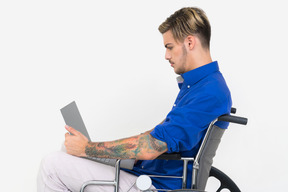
(170, 48)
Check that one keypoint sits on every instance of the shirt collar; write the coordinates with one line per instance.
(193, 76)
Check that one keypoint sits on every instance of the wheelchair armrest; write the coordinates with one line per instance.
(170, 156)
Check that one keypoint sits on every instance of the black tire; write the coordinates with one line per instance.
(225, 181)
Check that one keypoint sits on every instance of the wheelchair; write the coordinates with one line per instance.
(202, 164)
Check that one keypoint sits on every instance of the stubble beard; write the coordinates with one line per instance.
(182, 62)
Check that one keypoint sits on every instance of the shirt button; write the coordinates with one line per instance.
(188, 86)
(142, 167)
(174, 105)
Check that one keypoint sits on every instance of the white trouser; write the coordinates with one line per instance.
(60, 171)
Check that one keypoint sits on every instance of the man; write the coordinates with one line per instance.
(203, 97)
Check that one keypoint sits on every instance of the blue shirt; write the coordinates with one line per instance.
(203, 97)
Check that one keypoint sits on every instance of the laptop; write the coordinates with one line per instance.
(73, 119)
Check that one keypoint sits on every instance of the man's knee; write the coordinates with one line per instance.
(53, 160)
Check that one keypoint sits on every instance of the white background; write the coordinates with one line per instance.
(108, 56)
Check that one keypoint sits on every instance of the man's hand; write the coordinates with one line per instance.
(75, 144)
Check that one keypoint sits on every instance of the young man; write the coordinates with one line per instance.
(203, 97)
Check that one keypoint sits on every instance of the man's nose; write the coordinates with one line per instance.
(167, 55)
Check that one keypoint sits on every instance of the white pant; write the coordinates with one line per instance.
(60, 171)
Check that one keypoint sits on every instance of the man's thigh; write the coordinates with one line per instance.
(72, 172)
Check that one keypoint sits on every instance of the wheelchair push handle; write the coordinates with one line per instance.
(233, 119)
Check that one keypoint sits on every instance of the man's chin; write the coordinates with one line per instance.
(178, 72)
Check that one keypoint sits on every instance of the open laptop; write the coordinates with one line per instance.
(73, 119)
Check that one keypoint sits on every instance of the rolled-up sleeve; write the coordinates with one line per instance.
(185, 125)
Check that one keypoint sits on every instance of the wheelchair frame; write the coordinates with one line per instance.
(197, 183)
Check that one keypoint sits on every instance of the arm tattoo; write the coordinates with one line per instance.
(117, 151)
(130, 148)
(157, 145)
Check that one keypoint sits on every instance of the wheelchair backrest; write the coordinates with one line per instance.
(206, 156)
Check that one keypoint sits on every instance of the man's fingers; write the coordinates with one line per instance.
(72, 130)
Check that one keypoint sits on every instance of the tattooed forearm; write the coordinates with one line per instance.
(143, 146)
(117, 151)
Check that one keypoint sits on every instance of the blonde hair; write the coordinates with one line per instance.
(188, 21)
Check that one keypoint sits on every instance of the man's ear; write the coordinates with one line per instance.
(190, 41)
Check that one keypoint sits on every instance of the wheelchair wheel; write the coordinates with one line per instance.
(225, 182)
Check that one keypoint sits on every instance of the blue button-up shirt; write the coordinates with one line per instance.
(203, 97)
